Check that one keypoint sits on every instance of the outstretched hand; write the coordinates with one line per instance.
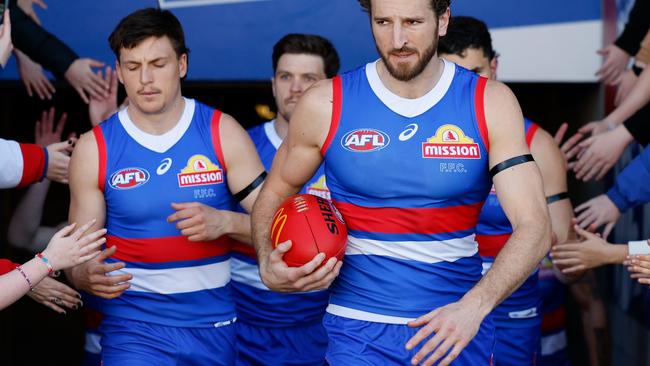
(67, 248)
(589, 251)
(597, 212)
(55, 295)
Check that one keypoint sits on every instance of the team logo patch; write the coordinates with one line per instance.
(450, 142)
(365, 140)
(128, 178)
(319, 188)
(200, 171)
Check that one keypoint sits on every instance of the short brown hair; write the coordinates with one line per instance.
(145, 23)
(309, 44)
(438, 6)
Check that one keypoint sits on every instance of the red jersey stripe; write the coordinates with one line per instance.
(242, 248)
(166, 249)
(337, 94)
(490, 245)
(479, 108)
(216, 138)
(531, 133)
(409, 220)
(101, 150)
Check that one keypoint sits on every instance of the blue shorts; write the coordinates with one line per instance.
(281, 346)
(355, 342)
(554, 349)
(517, 346)
(560, 358)
(92, 349)
(132, 343)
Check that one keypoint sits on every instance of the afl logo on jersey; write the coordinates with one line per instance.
(365, 140)
(200, 171)
(128, 178)
(450, 142)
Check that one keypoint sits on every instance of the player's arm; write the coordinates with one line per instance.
(200, 222)
(295, 162)
(521, 194)
(553, 169)
(87, 203)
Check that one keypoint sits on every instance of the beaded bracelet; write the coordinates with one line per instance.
(29, 282)
(50, 270)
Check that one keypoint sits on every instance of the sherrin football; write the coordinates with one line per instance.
(313, 225)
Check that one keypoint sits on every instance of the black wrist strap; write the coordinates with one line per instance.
(510, 163)
(557, 197)
(241, 195)
(637, 70)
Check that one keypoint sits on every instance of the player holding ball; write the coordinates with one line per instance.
(411, 145)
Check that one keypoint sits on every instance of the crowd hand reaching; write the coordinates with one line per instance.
(614, 64)
(85, 81)
(28, 7)
(567, 148)
(101, 107)
(639, 268)
(313, 275)
(628, 79)
(454, 326)
(600, 153)
(575, 256)
(55, 295)
(94, 276)
(67, 248)
(45, 133)
(5, 39)
(59, 160)
(33, 77)
(597, 212)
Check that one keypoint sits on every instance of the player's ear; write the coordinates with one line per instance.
(273, 86)
(494, 63)
(119, 72)
(443, 22)
(182, 65)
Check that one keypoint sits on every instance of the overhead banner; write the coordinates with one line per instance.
(232, 40)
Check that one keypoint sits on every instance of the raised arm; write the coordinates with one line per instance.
(296, 161)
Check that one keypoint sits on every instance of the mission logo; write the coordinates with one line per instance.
(450, 142)
(200, 171)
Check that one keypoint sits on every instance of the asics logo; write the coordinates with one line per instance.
(164, 166)
(409, 132)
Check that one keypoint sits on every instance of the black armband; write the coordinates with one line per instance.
(557, 197)
(241, 195)
(637, 70)
(510, 163)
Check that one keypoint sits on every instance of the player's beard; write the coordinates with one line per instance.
(404, 72)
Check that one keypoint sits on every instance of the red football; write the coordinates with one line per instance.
(313, 225)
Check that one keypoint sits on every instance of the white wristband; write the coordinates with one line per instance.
(638, 247)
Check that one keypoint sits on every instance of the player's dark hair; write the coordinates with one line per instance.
(464, 33)
(145, 23)
(309, 44)
(438, 6)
